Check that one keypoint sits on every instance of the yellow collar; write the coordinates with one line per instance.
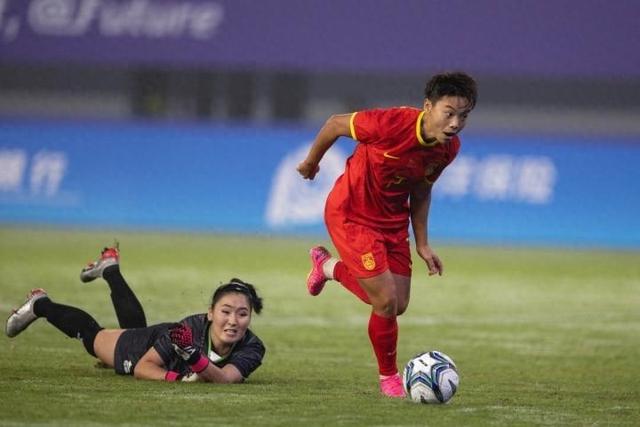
(419, 132)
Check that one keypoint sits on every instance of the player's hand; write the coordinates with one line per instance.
(307, 169)
(182, 340)
(431, 259)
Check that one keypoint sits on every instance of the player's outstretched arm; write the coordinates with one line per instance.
(336, 126)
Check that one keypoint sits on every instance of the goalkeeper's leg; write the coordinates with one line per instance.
(127, 306)
(72, 321)
(128, 309)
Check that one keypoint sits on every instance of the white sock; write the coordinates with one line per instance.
(328, 266)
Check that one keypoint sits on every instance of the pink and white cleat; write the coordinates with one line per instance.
(391, 386)
(316, 277)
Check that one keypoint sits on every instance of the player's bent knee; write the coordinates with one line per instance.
(401, 309)
(403, 304)
(385, 305)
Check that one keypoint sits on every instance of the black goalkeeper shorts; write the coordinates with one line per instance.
(133, 344)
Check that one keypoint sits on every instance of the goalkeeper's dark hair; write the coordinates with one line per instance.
(236, 285)
(452, 84)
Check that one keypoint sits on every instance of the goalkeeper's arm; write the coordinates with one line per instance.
(151, 367)
(183, 344)
(227, 374)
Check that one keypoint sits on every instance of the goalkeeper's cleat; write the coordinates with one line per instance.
(21, 318)
(108, 257)
(316, 277)
(391, 386)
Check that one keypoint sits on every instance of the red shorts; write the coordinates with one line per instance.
(368, 252)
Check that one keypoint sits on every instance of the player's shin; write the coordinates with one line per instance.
(72, 321)
(383, 333)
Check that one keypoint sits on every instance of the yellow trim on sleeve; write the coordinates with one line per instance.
(352, 126)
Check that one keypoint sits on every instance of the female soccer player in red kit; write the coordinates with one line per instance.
(387, 183)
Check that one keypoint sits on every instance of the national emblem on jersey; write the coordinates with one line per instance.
(368, 262)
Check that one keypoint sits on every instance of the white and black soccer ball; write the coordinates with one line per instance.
(430, 377)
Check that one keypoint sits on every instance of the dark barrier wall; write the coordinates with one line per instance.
(517, 189)
(596, 38)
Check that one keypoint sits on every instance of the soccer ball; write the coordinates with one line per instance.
(430, 377)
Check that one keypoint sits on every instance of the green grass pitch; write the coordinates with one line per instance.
(540, 336)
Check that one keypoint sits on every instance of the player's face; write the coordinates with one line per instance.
(230, 318)
(445, 118)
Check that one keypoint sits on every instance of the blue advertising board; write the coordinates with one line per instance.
(515, 189)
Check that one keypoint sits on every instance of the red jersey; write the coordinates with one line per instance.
(390, 158)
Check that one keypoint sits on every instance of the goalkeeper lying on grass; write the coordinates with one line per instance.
(216, 346)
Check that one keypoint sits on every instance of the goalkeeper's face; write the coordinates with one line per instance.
(229, 318)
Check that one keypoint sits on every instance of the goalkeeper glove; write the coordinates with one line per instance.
(182, 340)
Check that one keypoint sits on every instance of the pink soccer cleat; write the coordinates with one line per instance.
(391, 386)
(316, 277)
